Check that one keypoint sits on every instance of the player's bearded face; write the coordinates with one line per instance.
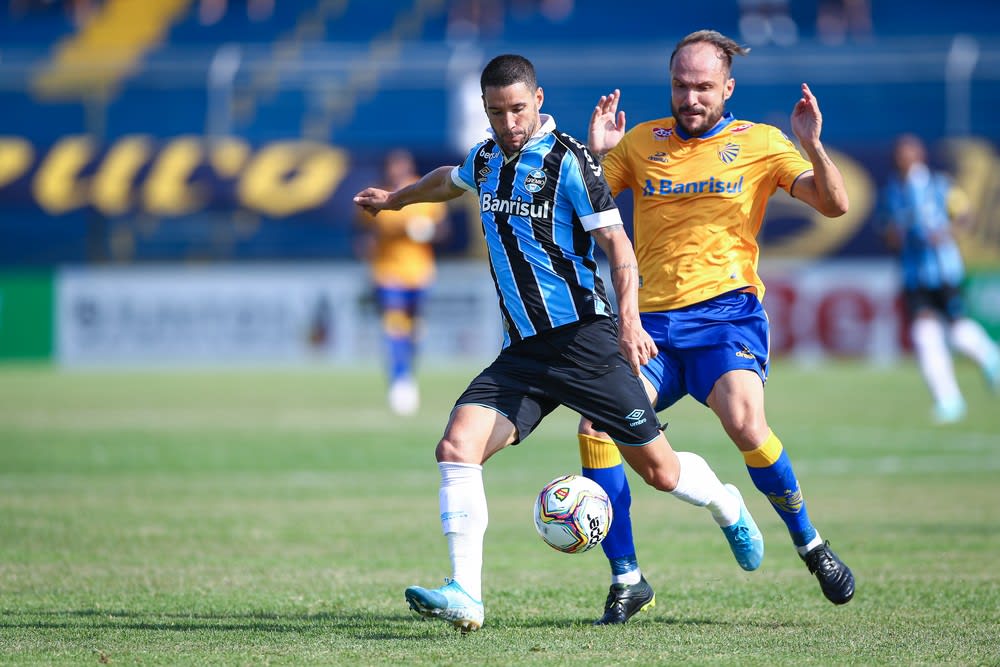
(513, 113)
(699, 88)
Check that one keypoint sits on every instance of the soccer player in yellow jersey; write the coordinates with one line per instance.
(700, 182)
(399, 248)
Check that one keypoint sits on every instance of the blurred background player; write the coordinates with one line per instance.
(700, 182)
(399, 247)
(920, 206)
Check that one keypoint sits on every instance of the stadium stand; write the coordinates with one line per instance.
(363, 75)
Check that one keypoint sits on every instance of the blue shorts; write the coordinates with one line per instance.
(407, 299)
(698, 344)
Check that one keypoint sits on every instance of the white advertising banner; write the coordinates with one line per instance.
(284, 314)
(834, 309)
(258, 314)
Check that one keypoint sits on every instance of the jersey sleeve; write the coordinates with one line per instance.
(587, 189)
(463, 176)
(615, 165)
(784, 160)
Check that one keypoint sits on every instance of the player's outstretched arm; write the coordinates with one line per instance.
(633, 340)
(824, 189)
(607, 124)
(435, 186)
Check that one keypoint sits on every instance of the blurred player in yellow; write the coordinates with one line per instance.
(398, 246)
(700, 181)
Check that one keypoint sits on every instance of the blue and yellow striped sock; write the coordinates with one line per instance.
(772, 474)
(602, 463)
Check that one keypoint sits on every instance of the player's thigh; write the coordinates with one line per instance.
(587, 427)
(507, 388)
(738, 400)
(588, 374)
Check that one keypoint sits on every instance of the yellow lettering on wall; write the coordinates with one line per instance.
(976, 166)
(168, 190)
(16, 155)
(228, 156)
(57, 185)
(822, 235)
(285, 178)
(111, 190)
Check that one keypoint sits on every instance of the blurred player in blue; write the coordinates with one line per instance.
(700, 182)
(544, 204)
(398, 247)
(920, 206)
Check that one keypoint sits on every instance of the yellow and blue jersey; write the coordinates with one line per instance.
(403, 255)
(699, 203)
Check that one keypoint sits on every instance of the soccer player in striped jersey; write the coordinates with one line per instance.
(544, 204)
(919, 207)
(700, 181)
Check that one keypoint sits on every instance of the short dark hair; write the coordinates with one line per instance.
(506, 70)
(727, 47)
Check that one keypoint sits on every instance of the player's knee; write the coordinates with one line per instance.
(451, 449)
(661, 478)
(748, 430)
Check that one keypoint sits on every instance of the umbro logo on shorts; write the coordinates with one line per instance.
(636, 417)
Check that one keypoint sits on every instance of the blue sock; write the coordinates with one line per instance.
(400, 357)
(602, 463)
(772, 474)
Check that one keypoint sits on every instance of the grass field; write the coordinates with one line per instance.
(275, 517)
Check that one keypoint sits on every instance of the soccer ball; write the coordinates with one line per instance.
(572, 514)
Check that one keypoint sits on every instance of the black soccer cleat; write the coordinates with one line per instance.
(625, 601)
(834, 577)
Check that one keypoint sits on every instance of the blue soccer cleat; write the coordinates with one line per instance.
(949, 412)
(744, 537)
(449, 603)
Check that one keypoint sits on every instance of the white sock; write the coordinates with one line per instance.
(969, 338)
(631, 577)
(934, 359)
(464, 517)
(698, 485)
(812, 544)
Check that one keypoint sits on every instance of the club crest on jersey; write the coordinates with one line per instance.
(658, 156)
(534, 181)
(662, 133)
(729, 152)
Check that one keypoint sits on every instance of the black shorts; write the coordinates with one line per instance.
(945, 300)
(577, 365)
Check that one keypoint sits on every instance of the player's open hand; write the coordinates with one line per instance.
(807, 121)
(635, 344)
(373, 200)
(607, 124)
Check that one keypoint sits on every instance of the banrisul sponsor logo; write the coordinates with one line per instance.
(520, 207)
(712, 185)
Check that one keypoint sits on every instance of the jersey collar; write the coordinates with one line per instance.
(547, 126)
(726, 119)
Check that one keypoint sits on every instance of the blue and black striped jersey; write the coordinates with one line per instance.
(537, 209)
(918, 208)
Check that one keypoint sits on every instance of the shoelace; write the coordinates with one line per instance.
(822, 561)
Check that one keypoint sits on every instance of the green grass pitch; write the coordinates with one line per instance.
(239, 517)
